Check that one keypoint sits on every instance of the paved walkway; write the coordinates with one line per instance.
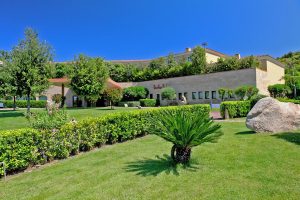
(215, 115)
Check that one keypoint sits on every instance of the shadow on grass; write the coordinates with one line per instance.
(245, 133)
(153, 167)
(293, 137)
(10, 113)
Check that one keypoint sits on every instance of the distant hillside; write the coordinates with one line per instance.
(291, 57)
(292, 77)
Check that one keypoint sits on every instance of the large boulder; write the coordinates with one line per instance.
(273, 116)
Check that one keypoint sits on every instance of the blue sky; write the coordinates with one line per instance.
(141, 29)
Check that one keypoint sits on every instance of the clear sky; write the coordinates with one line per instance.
(141, 29)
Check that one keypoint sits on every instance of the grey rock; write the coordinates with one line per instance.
(272, 116)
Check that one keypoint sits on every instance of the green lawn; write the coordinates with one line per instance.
(242, 165)
(15, 119)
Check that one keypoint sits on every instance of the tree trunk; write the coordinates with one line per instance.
(111, 105)
(14, 106)
(180, 155)
(28, 103)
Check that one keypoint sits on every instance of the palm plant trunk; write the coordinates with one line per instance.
(180, 154)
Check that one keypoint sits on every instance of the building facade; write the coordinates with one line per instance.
(204, 88)
(61, 86)
(196, 88)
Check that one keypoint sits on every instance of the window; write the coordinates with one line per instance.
(151, 96)
(194, 95)
(179, 96)
(200, 95)
(206, 94)
(43, 98)
(75, 101)
(213, 94)
(189, 59)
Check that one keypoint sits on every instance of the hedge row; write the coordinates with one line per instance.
(295, 101)
(23, 103)
(235, 108)
(148, 102)
(22, 148)
(129, 103)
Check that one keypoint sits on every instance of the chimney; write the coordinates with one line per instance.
(188, 49)
(238, 56)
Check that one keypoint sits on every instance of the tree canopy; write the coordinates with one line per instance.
(292, 71)
(168, 93)
(89, 77)
(198, 59)
(28, 66)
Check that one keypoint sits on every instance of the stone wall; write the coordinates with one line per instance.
(192, 85)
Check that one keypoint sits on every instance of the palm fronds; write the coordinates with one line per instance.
(185, 129)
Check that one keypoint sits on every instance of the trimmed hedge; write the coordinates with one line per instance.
(235, 108)
(295, 101)
(22, 148)
(242, 108)
(148, 102)
(23, 103)
(129, 103)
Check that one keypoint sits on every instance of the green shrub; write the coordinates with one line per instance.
(23, 103)
(295, 101)
(245, 92)
(18, 149)
(235, 108)
(25, 147)
(129, 103)
(168, 93)
(148, 102)
(222, 93)
(279, 90)
(48, 120)
(254, 99)
(135, 93)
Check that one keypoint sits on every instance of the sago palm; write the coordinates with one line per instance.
(184, 130)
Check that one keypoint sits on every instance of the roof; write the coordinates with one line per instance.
(112, 84)
(59, 80)
(271, 59)
(207, 50)
(109, 83)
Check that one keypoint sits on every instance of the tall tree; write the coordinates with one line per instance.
(30, 65)
(198, 61)
(113, 95)
(292, 71)
(89, 77)
(8, 86)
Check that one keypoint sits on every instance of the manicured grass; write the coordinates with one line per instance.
(242, 165)
(15, 119)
